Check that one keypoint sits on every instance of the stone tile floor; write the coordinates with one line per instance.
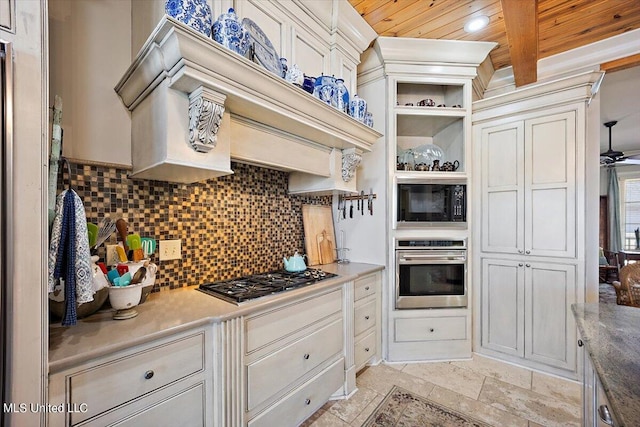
(495, 392)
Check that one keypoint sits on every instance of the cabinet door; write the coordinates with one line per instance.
(503, 306)
(502, 166)
(550, 168)
(588, 391)
(550, 329)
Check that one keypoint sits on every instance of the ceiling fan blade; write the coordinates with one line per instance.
(628, 161)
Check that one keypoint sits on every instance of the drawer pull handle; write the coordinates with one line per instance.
(605, 415)
(431, 329)
(148, 375)
(366, 317)
(306, 356)
(307, 402)
(366, 349)
(366, 288)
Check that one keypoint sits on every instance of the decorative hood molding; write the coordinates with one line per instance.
(189, 61)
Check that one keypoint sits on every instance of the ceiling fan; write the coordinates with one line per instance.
(611, 157)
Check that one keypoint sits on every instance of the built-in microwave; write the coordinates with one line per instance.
(431, 202)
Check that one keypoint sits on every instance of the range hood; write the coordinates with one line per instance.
(184, 89)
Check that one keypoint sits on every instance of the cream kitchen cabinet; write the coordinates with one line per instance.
(166, 382)
(528, 185)
(596, 410)
(366, 320)
(294, 359)
(530, 154)
(526, 310)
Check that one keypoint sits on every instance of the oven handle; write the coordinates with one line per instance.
(432, 258)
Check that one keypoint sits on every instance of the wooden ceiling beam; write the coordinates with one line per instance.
(521, 23)
(621, 64)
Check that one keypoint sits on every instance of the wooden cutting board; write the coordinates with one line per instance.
(319, 235)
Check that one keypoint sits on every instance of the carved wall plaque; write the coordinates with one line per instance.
(206, 108)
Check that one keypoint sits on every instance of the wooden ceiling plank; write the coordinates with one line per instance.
(455, 30)
(368, 7)
(589, 16)
(549, 8)
(521, 23)
(455, 12)
(424, 14)
(621, 64)
(388, 10)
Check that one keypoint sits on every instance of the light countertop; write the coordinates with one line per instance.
(611, 334)
(168, 312)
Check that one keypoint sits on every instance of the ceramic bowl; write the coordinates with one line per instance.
(123, 299)
(82, 310)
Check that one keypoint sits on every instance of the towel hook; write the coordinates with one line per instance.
(66, 166)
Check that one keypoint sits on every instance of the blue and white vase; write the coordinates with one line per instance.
(194, 13)
(295, 75)
(358, 108)
(325, 88)
(309, 83)
(368, 119)
(285, 68)
(229, 32)
(341, 96)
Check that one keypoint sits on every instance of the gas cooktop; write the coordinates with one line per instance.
(258, 285)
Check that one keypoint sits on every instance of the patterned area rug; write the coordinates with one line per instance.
(401, 408)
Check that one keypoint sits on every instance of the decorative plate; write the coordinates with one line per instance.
(263, 51)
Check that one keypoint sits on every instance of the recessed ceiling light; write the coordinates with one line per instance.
(477, 23)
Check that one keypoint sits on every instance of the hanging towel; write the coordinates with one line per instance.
(69, 254)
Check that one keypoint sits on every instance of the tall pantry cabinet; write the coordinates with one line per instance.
(530, 155)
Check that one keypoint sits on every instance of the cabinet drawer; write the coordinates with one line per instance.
(276, 371)
(273, 325)
(365, 286)
(305, 400)
(111, 384)
(364, 317)
(430, 329)
(184, 409)
(364, 349)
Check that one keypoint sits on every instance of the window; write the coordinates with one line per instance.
(631, 213)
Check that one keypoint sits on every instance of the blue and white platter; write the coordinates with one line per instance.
(263, 51)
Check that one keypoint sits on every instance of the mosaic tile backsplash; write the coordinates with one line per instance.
(229, 226)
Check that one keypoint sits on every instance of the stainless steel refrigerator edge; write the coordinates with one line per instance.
(6, 113)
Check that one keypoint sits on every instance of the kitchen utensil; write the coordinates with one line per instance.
(138, 254)
(113, 275)
(315, 219)
(122, 255)
(139, 275)
(107, 227)
(295, 263)
(148, 246)
(92, 231)
(133, 241)
(362, 202)
(351, 209)
(326, 248)
(122, 227)
(122, 268)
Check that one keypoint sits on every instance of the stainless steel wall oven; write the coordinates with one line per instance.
(431, 273)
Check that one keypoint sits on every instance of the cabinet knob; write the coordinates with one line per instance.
(520, 251)
(520, 264)
(528, 265)
(366, 317)
(580, 343)
(366, 349)
(605, 415)
(431, 329)
(527, 252)
(306, 356)
(366, 288)
(307, 401)
(148, 375)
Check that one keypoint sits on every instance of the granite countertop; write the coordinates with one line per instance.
(611, 334)
(168, 312)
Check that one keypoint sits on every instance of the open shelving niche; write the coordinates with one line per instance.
(442, 126)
